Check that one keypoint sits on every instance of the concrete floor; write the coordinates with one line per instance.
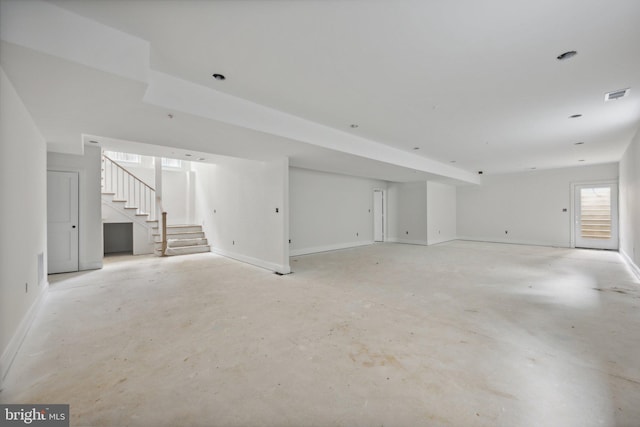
(458, 334)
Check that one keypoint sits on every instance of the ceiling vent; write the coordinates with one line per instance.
(616, 94)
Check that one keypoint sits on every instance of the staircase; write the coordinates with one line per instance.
(125, 193)
(182, 240)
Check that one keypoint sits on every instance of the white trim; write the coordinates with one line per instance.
(634, 268)
(253, 261)
(436, 242)
(407, 242)
(572, 220)
(93, 265)
(18, 337)
(327, 248)
(515, 242)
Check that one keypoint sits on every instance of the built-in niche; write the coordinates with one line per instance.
(118, 238)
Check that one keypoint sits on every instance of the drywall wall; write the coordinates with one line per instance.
(178, 189)
(441, 212)
(330, 211)
(528, 206)
(407, 212)
(630, 204)
(236, 202)
(90, 216)
(23, 228)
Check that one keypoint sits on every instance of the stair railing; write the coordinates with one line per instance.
(126, 186)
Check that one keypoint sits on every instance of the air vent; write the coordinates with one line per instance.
(616, 94)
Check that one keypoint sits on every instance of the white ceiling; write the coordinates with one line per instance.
(473, 82)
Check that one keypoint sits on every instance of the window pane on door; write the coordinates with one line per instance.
(595, 209)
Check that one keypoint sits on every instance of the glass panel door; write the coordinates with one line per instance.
(596, 216)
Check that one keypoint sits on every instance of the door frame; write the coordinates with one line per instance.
(384, 213)
(572, 207)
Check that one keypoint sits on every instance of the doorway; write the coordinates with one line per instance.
(596, 216)
(62, 221)
(378, 216)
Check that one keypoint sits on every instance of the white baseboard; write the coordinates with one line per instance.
(632, 265)
(438, 241)
(92, 265)
(515, 242)
(327, 248)
(283, 269)
(407, 241)
(10, 352)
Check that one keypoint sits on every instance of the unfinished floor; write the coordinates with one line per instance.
(458, 334)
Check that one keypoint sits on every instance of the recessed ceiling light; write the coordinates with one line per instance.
(219, 77)
(188, 155)
(93, 142)
(567, 55)
(200, 158)
(575, 116)
(416, 148)
(533, 168)
(578, 143)
(581, 160)
(353, 125)
(452, 161)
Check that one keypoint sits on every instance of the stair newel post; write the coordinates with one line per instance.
(164, 233)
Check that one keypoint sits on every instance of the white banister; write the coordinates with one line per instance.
(126, 186)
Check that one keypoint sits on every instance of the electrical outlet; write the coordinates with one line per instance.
(406, 232)
(277, 210)
(233, 242)
(26, 288)
(506, 231)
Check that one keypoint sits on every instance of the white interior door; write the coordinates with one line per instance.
(378, 216)
(596, 216)
(62, 221)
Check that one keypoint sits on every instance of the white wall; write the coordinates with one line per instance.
(178, 188)
(407, 212)
(630, 203)
(528, 205)
(236, 201)
(441, 212)
(23, 220)
(330, 211)
(90, 205)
